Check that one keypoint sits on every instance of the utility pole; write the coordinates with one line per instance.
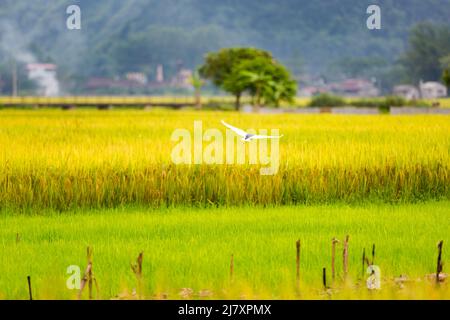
(14, 78)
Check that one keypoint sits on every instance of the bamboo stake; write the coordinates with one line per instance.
(373, 254)
(334, 241)
(85, 279)
(439, 260)
(345, 256)
(298, 263)
(29, 287)
(88, 276)
(364, 262)
(137, 269)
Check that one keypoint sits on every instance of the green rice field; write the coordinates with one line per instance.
(185, 248)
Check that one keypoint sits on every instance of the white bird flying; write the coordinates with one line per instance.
(247, 136)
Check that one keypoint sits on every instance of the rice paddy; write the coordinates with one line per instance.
(191, 249)
(78, 178)
(62, 160)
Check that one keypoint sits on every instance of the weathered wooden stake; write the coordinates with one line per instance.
(90, 284)
(89, 254)
(439, 260)
(345, 256)
(137, 269)
(364, 262)
(333, 257)
(324, 278)
(297, 245)
(373, 254)
(29, 287)
(88, 276)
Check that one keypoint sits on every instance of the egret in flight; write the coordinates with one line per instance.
(247, 137)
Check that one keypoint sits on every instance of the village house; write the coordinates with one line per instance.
(347, 87)
(426, 90)
(432, 90)
(137, 77)
(406, 91)
(182, 79)
(355, 88)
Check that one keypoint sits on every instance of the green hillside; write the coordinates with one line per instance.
(119, 36)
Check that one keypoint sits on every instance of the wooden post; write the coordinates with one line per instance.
(297, 260)
(439, 260)
(90, 283)
(324, 278)
(29, 287)
(345, 256)
(373, 254)
(88, 276)
(334, 241)
(364, 262)
(137, 269)
(89, 257)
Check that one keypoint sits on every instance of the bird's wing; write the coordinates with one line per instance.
(238, 131)
(266, 137)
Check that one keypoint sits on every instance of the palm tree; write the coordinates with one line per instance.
(197, 83)
(259, 84)
(280, 91)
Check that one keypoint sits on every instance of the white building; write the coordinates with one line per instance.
(182, 79)
(432, 90)
(355, 88)
(406, 91)
(137, 77)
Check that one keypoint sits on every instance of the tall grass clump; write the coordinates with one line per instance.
(327, 100)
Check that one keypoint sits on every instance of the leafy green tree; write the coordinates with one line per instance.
(282, 91)
(258, 82)
(446, 78)
(428, 43)
(266, 80)
(218, 67)
(445, 63)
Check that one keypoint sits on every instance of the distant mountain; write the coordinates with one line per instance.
(135, 35)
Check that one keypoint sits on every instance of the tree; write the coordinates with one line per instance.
(283, 91)
(428, 43)
(218, 67)
(257, 82)
(266, 80)
(446, 78)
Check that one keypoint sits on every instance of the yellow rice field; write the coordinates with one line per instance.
(89, 158)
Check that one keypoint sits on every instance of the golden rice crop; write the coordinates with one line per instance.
(88, 158)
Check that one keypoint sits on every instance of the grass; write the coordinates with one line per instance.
(92, 159)
(185, 248)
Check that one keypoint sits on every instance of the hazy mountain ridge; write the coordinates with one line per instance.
(114, 32)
